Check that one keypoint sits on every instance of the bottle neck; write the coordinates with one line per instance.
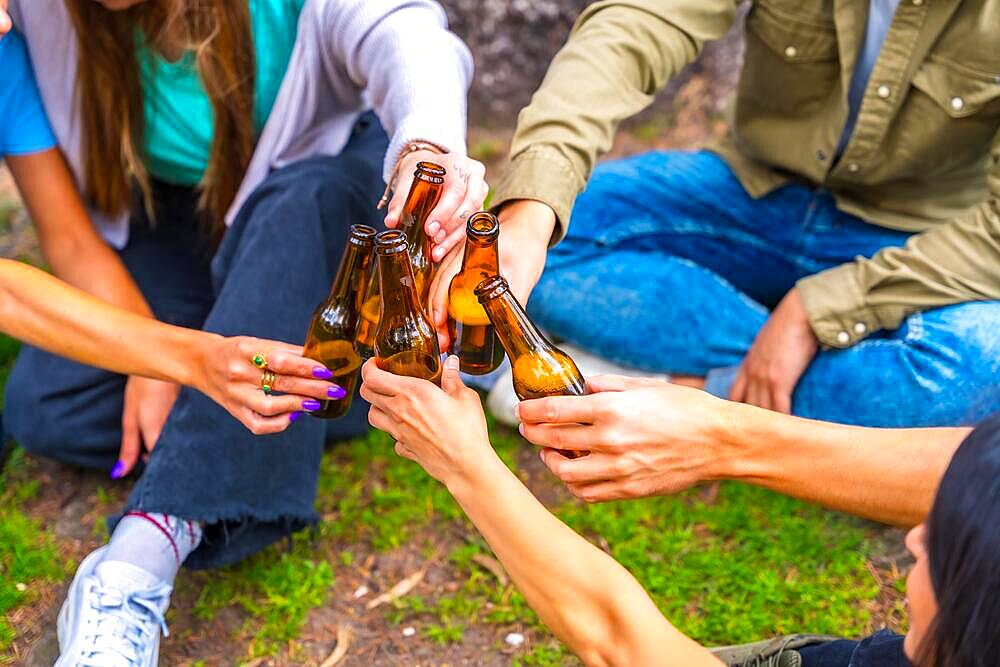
(517, 333)
(353, 267)
(396, 284)
(422, 199)
(481, 254)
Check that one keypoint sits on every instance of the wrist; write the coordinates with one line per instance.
(476, 473)
(534, 219)
(197, 350)
(741, 433)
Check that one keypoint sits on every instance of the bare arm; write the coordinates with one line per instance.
(586, 598)
(43, 311)
(70, 243)
(649, 438)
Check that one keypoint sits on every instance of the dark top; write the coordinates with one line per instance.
(883, 649)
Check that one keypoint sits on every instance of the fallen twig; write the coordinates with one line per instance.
(340, 650)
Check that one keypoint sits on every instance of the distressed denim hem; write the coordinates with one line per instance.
(230, 539)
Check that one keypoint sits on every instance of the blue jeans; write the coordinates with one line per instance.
(671, 266)
(274, 265)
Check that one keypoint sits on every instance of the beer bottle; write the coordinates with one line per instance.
(539, 368)
(428, 184)
(473, 340)
(330, 339)
(405, 341)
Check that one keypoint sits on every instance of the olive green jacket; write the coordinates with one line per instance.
(924, 155)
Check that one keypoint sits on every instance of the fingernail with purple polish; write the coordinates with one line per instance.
(336, 392)
(294, 417)
(118, 471)
(322, 373)
(310, 404)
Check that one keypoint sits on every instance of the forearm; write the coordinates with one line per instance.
(71, 246)
(887, 475)
(414, 70)
(586, 598)
(42, 311)
(619, 55)
(91, 265)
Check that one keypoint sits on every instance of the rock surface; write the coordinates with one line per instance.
(513, 42)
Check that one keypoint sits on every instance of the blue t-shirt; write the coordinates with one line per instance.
(24, 128)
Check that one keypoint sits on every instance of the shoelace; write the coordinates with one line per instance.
(770, 661)
(125, 627)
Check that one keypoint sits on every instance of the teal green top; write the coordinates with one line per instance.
(179, 122)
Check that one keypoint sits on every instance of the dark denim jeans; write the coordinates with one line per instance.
(274, 266)
(671, 266)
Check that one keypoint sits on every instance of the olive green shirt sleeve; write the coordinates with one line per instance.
(951, 263)
(619, 55)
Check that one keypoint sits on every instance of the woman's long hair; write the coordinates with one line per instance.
(111, 96)
(963, 545)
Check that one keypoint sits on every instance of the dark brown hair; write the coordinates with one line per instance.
(111, 96)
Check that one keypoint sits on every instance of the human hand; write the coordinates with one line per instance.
(443, 429)
(228, 376)
(146, 406)
(465, 190)
(783, 350)
(644, 437)
(525, 231)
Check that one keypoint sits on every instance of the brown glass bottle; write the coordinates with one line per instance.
(330, 339)
(405, 342)
(539, 368)
(428, 184)
(473, 340)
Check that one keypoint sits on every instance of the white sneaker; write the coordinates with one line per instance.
(502, 400)
(113, 616)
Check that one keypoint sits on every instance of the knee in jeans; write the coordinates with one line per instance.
(26, 420)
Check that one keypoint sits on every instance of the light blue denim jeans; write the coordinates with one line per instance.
(670, 266)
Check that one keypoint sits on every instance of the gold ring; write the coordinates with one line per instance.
(260, 361)
(267, 379)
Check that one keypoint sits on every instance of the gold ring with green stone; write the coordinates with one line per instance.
(260, 361)
(267, 379)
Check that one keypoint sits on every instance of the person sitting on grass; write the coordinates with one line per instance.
(605, 617)
(835, 256)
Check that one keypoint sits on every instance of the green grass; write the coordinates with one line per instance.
(29, 556)
(747, 565)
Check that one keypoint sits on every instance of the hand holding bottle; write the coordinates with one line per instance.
(465, 190)
(644, 437)
(526, 228)
(443, 429)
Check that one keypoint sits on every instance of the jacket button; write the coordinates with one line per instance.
(957, 103)
(883, 92)
(860, 328)
(843, 338)
(917, 3)
(791, 51)
(854, 167)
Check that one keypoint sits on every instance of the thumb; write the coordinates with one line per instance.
(451, 378)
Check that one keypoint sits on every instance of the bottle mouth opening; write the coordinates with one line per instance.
(483, 225)
(362, 235)
(431, 172)
(491, 288)
(390, 241)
